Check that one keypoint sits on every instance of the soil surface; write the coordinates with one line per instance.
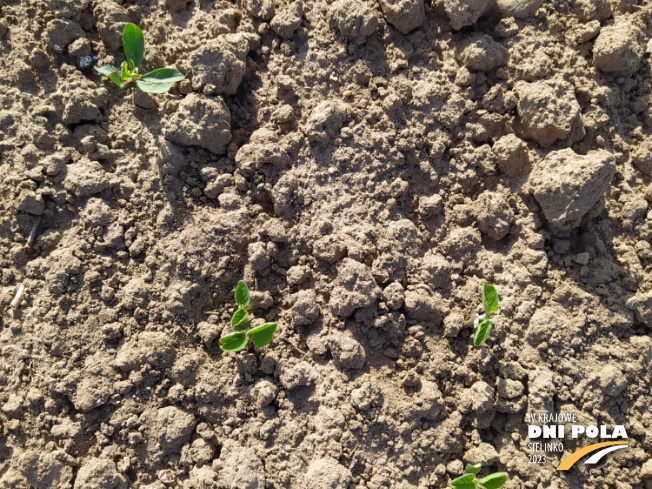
(364, 167)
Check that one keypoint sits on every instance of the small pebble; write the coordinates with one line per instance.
(582, 258)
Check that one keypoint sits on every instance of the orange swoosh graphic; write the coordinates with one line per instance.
(574, 457)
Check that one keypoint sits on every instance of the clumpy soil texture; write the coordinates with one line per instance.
(364, 167)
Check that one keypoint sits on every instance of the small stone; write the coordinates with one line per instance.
(482, 404)
(304, 310)
(85, 178)
(14, 405)
(39, 59)
(174, 428)
(112, 331)
(512, 156)
(464, 12)
(619, 48)
(582, 258)
(330, 248)
(144, 100)
(95, 386)
(201, 451)
(98, 473)
(612, 381)
(548, 111)
(355, 20)
(421, 307)
(80, 47)
(203, 122)
(298, 274)
(59, 33)
(509, 389)
(405, 15)
(646, 470)
(587, 31)
(242, 469)
(176, 5)
(43, 470)
(542, 324)
(494, 215)
(30, 202)
(327, 473)
(430, 206)
(568, 185)
(394, 295)
(642, 303)
(262, 9)
(219, 64)
(325, 121)
(208, 332)
(287, 20)
(260, 300)
(518, 8)
(284, 114)
(642, 157)
(561, 246)
(484, 454)
(589, 10)
(481, 52)
(366, 396)
(264, 393)
(295, 376)
(346, 350)
(355, 288)
(251, 157)
(258, 258)
(453, 324)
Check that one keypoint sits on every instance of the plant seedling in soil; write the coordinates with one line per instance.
(261, 335)
(483, 324)
(468, 481)
(157, 81)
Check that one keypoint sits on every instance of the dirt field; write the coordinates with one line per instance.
(364, 167)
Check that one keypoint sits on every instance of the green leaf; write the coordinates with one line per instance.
(233, 341)
(167, 75)
(465, 482)
(153, 86)
(484, 328)
(490, 299)
(493, 481)
(239, 316)
(106, 69)
(117, 80)
(242, 294)
(262, 335)
(242, 325)
(134, 44)
(125, 74)
(473, 469)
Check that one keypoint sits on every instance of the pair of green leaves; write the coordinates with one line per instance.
(468, 481)
(261, 335)
(157, 81)
(484, 324)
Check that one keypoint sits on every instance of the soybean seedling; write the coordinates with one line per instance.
(261, 335)
(468, 481)
(483, 324)
(157, 81)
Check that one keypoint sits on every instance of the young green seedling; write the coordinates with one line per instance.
(157, 81)
(484, 324)
(468, 481)
(261, 335)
